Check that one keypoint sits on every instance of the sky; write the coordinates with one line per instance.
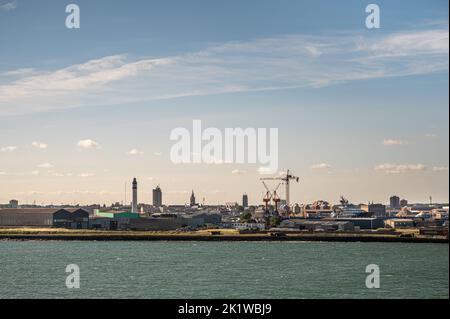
(360, 112)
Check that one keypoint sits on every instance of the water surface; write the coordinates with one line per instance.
(36, 269)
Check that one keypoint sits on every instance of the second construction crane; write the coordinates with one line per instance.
(286, 180)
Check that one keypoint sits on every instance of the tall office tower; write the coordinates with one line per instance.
(395, 202)
(192, 200)
(245, 201)
(157, 197)
(134, 208)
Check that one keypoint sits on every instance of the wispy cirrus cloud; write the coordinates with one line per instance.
(400, 168)
(84, 175)
(320, 166)
(45, 165)
(38, 145)
(263, 64)
(440, 169)
(8, 149)
(393, 142)
(135, 152)
(9, 6)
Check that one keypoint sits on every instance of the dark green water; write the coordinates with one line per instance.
(33, 269)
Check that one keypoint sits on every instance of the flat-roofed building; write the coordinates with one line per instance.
(364, 222)
(159, 223)
(374, 210)
(399, 223)
(315, 225)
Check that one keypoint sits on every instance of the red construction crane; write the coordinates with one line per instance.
(286, 179)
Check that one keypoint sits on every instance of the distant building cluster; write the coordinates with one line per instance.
(319, 216)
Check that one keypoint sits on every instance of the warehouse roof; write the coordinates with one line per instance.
(12, 211)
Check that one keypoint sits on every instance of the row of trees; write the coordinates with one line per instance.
(272, 221)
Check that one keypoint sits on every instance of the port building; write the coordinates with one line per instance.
(44, 217)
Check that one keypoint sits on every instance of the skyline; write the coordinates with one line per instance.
(361, 113)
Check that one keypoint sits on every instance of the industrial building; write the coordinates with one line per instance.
(364, 222)
(399, 223)
(44, 217)
(71, 218)
(374, 210)
(245, 226)
(159, 223)
(317, 225)
(208, 218)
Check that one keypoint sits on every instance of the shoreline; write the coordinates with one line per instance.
(231, 238)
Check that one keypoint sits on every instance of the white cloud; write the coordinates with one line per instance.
(263, 64)
(39, 145)
(440, 169)
(321, 166)
(21, 72)
(107, 193)
(157, 153)
(238, 171)
(264, 170)
(135, 152)
(88, 144)
(431, 135)
(45, 165)
(405, 44)
(56, 174)
(399, 168)
(9, 6)
(8, 149)
(393, 142)
(86, 175)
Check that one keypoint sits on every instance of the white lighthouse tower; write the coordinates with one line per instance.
(134, 204)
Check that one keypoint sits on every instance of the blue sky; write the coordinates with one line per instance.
(361, 113)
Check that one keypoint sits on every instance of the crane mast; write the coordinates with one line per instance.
(286, 180)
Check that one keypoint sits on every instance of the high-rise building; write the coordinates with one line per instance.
(134, 208)
(192, 199)
(245, 200)
(394, 202)
(157, 197)
(403, 203)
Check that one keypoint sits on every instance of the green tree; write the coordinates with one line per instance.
(274, 221)
(245, 217)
